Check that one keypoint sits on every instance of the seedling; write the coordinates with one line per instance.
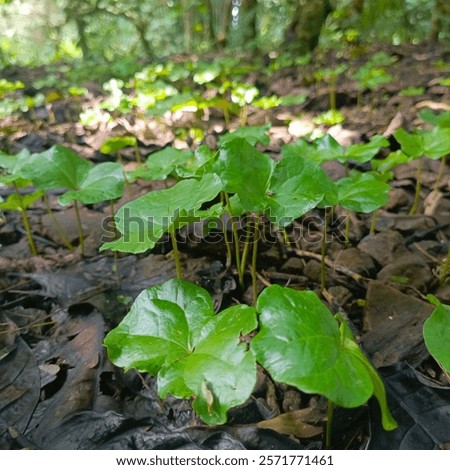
(329, 118)
(172, 333)
(301, 344)
(114, 145)
(434, 144)
(329, 76)
(144, 221)
(60, 167)
(436, 333)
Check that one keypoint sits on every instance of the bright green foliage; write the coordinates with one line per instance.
(7, 87)
(332, 117)
(161, 164)
(12, 164)
(115, 144)
(384, 167)
(301, 344)
(440, 119)
(436, 333)
(252, 134)
(362, 192)
(172, 333)
(143, 221)
(103, 182)
(16, 202)
(433, 144)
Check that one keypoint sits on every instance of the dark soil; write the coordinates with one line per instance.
(55, 308)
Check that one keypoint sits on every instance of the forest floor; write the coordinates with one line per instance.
(59, 391)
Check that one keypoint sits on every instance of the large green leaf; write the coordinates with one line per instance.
(301, 344)
(436, 333)
(103, 182)
(362, 192)
(143, 221)
(171, 332)
(296, 187)
(245, 171)
(433, 144)
(58, 167)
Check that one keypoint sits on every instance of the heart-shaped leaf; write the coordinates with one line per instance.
(433, 144)
(142, 222)
(171, 332)
(301, 344)
(362, 192)
(103, 182)
(436, 333)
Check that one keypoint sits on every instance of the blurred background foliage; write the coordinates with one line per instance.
(118, 34)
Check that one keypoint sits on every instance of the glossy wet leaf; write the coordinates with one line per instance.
(103, 182)
(301, 344)
(436, 333)
(362, 192)
(252, 134)
(142, 222)
(58, 167)
(172, 333)
(115, 144)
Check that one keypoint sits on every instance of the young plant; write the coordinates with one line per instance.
(172, 333)
(329, 76)
(436, 333)
(114, 145)
(301, 344)
(143, 221)
(60, 167)
(434, 144)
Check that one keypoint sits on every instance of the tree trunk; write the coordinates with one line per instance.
(304, 30)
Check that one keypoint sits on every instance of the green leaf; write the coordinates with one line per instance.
(296, 187)
(436, 333)
(114, 144)
(58, 167)
(300, 344)
(16, 202)
(199, 164)
(161, 164)
(104, 182)
(434, 143)
(245, 171)
(363, 153)
(362, 192)
(390, 162)
(441, 120)
(252, 134)
(13, 164)
(171, 332)
(142, 222)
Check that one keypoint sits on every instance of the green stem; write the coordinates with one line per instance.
(176, 253)
(373, 224)
(236, 240)
(445, 269)
(26, 222)
(329, 425)
(226, 116)
(137, 154)
(440, 173)
(225, 235)
(416, 202)
(347, 230)
(254, 260)
(116, 264)
(57, 225)
(323, 252)
(80, 227)
(243, 116)
(286, 237)
(119, 158)
(332, 93)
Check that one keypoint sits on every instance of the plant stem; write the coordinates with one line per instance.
(347, 230)
(445, 269)
(415, 205)
(176, 253)
(323, 251)
(243, 115)
(254, 259)
(57, 225)
(226, 116)
(137, 154)
(329, 425)
(26, 222)
(225, 236)
(373, 223)
(116, 264)
(245, 252)
(80, 227)
(286, 237)
(332, 93)
(236, 240)
(440, 173)
(119, 158)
